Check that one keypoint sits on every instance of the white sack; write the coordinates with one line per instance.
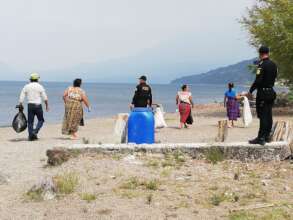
(246, 116)
(159, 119)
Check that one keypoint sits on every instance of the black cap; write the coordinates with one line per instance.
(144, 78)
(264, 50)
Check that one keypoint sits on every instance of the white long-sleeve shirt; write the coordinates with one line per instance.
(34, 92)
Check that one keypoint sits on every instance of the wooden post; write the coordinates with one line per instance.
(282, 131)
(222, 131)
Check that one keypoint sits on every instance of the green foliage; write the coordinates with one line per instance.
(269, 22)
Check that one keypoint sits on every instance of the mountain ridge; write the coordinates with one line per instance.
(237, 73)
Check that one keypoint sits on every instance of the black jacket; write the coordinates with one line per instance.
(266, 75)
(142, 96)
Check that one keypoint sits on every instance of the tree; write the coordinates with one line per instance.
(270, 23)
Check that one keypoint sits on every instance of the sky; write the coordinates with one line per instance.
(59, 34)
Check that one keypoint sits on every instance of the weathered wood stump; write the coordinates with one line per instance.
(120, 130)
(222, 131)
(282, 131)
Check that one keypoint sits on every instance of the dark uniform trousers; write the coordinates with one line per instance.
(264, 113)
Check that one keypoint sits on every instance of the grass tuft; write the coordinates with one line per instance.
(34, 195)
(214, 155)
(66, 183)
(88, 197)
(217, 199)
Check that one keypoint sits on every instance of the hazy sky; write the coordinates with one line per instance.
(50, 34)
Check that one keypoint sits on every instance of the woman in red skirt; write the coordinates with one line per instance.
(185, 103)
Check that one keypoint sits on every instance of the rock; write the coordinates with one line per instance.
(132, 160)
(268, 176)
(57, 156)
(264, 182)
(286, 188)
(47, 187)
(236, 176)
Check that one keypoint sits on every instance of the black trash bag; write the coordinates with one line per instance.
(19, 122)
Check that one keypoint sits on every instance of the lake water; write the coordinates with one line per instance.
(106, 99)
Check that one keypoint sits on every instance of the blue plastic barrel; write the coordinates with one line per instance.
(141, 126)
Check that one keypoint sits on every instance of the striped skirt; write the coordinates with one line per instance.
(233, 109)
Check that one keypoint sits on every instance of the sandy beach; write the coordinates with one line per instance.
(22, 164)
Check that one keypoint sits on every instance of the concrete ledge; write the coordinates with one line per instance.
(237, 151)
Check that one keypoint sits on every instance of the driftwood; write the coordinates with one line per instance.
(120, 130)
(282, 131)
(222, 131)
(253, 207)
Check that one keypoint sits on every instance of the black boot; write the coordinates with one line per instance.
(259, 141)
(268, 139)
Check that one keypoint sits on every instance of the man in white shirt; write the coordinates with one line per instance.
(35, 94)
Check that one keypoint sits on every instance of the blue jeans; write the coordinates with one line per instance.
(35, 110)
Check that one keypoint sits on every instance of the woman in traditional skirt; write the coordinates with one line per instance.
(184, 103)
(232, 104)
(73, 98)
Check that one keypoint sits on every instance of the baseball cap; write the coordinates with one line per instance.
(35, 76)
(143, 78)
(264, 49)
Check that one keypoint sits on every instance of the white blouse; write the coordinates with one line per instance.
(184, 96)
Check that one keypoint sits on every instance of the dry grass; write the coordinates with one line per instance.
(66, 183)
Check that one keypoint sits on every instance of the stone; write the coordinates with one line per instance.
(265, 182)
(132, 160)
(47, 187)
(57, 156)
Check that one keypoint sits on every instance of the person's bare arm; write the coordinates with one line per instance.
(191, 101)
(86, 101)
(225, 101)
(65, 95)
(45, 98)
(177, 99)
(47, 105)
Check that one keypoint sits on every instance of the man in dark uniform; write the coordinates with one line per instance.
(266, 76)
(143, 94)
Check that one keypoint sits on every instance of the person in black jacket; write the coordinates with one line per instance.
(266, 76)
(143, 94)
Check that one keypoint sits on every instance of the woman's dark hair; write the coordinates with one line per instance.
(77, 83)
(183, 87)
(231, 86)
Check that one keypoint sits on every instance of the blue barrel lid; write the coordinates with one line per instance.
(142, 110)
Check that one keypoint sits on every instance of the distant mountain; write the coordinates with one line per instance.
(237, 73)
